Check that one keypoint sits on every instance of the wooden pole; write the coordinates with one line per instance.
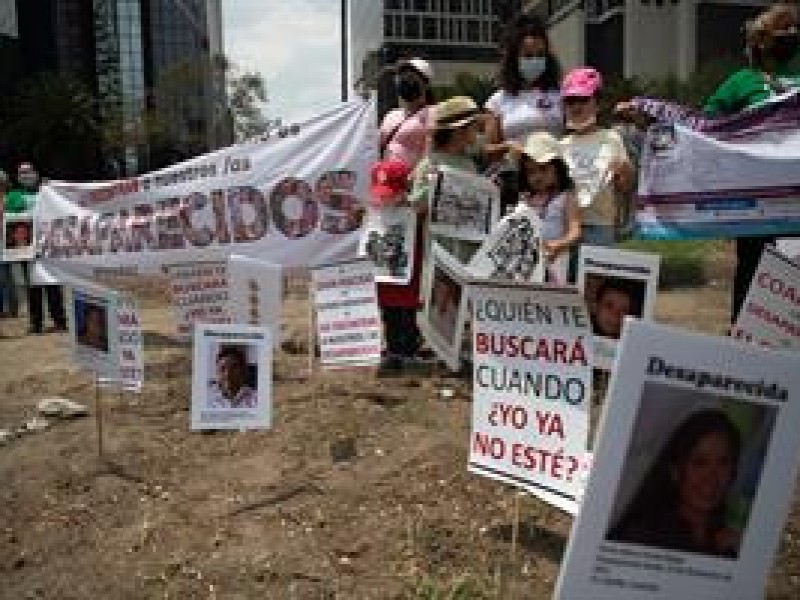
(98, 413)
(514, 541)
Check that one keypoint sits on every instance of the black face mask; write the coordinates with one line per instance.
(784, 47)
(409, 90)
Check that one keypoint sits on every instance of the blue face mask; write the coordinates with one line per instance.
(532, 67)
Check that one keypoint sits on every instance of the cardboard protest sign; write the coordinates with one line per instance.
(693, 471)
(231, 377)
(348, 319)
(770, 314)
(129, 344)
(19, 237)
(463, 205)
(389, 241)
(255, 293)
(513, 249)
(444, 311)
(93, 330)
(616, 283)
(532, 379)
(199, 294)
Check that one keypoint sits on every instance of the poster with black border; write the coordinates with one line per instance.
(389, 241)
(532, 389)
(444, 306)
(694, 470)
(463, 205)
(231, 377)
(19, 237)
(616, 283)
(93, 327)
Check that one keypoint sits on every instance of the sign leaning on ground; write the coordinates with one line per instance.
(616, 284)
(93, 327)
(349, 328)
(532, 378)
(129, 345)
(255, 293)
(693, 472)
(770, 314)
(200, 294)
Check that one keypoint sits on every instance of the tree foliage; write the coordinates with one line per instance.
(467, 84)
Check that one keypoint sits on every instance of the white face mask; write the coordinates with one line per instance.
(532, 67)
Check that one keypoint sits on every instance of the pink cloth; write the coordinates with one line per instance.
(410, 141)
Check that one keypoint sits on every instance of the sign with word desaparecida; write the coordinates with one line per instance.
(693, 473)
(348, 319)
(463, 205)
(616, 284)
(231, 377)
(770, 314)
(532, 378)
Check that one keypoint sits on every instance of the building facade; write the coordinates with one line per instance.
(647, 38)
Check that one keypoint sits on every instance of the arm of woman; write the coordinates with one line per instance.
(496, 147)
(572, 227)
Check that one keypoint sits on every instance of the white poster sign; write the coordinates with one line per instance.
(616, 284)
(255, 293)
(91, 315)
(130, 344)
(463, 205)
(770, 314)
(199, 294)
(389, 241)
(513, 249)
(348, 318)
(445, 308)
(532, 379)
(19, 237)
(693, 472)
(289, 198)
(231, 377)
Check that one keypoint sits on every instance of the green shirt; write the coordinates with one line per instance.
(19, 201)
(745, 88)
(421, 185)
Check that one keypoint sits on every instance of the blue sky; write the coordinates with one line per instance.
(294, 44)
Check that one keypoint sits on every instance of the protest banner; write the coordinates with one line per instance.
(93, 330)
(616, 284)
(532, 379)
(289, 198)
(200, 294)
(444, 306)
(389, 241)
(231, 377)
(130, 376)
(513, 250)
(255, 293)
(463, 205)
(789, 247)
(732, 177)
(348, 321)
(19, 236)
(693, 471)
(770, 314)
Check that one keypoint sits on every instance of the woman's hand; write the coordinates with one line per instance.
(553, 248)
(621, 175)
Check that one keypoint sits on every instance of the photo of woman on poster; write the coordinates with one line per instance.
(19, 234)
(683, 501)
(92, 326)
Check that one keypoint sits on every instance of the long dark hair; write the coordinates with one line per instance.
(429, 96)
(565, 182)
(510, 78)
(658, 494)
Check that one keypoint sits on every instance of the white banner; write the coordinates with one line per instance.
(389, 241)
(616, 284)
(231, 377)
(693, 474)
(770, 314)
(348, 319)
(463, 205)
(532, 379)
(287, 200)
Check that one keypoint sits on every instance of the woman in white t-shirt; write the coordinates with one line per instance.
(528, 100)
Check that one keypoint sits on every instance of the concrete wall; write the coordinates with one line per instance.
(365, 35)
(652, 38)
(568, 38)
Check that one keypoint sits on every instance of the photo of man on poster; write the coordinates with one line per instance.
(233, 385)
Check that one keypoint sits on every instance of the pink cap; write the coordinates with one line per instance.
(583, 81)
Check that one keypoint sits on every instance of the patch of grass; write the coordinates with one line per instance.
(464, 587)
(683, 263)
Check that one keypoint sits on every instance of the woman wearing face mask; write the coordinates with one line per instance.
(528, 99)
(772, 50)
(404, 131)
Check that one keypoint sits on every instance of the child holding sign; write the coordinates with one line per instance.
(545, 185)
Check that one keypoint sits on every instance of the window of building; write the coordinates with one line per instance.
(393, 5)
(429, 29)
(473, 31)
(456, 6)
(421, 5)
(388, 25)
(411, 29)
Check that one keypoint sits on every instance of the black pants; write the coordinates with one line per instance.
(748, 254)
(400, 330)
(55, 305)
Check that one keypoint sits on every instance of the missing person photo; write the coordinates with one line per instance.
(610, 299)
(691, 471)
(19, 234)
(234, 376)
(91, 324)
(444, 304)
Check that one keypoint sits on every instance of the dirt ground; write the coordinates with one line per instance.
(269, 514)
